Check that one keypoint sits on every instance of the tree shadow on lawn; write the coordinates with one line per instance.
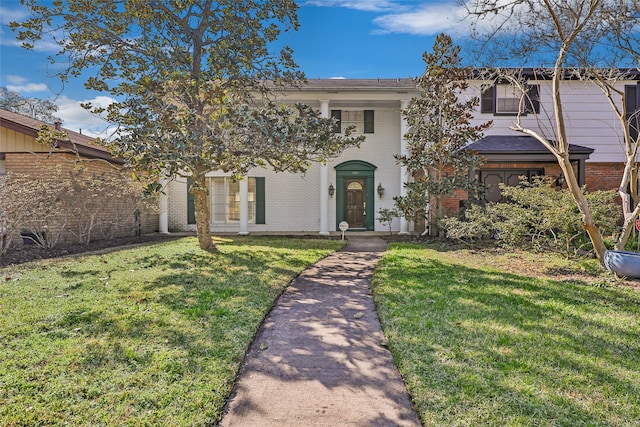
(505, 347)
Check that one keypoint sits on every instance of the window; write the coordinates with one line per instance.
(224, 194)
(362, 120)
(632, 106)
(3, 165)
(225, 200)
(504, 99)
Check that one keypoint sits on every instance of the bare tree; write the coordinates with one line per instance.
(585, 39)
(40, 109)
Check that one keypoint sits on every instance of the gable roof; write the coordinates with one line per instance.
(84, 145)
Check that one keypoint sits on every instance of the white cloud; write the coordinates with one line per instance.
(76, 118)
(363, 5)
(337, 78)
(28, 87)
(8, 14)
(428, 19)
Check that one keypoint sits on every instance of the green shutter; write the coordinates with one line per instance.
(533, 100)
(260, 201)
(486, 100)
(191, 203)
(337, 114)
(632, 105)
(368, 121)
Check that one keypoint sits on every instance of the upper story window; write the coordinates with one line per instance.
(505, 99)
(361, 120)
(632, 106)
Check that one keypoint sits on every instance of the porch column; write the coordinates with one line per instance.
(163, 219)
(324, 182)
(244, 206)
(404, 127)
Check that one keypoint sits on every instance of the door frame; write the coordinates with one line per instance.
(356, 169)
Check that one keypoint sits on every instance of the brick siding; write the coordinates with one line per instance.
(40, 165)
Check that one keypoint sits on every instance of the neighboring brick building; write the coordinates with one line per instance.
(20, 153)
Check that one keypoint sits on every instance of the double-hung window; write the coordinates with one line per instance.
(224, 197)
(508, 100)
(361, 120)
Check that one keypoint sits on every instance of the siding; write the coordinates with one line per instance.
(589, 119)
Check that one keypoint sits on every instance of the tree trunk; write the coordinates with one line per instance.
(589, 225)
(200, 194)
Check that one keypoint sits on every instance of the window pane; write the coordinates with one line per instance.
(252, 200)
(353, 118)
(217, 200)
(508, 99)
(233, 200)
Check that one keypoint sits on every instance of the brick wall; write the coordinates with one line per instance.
(41, 166)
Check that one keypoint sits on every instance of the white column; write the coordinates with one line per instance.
(324, 182)
(244, 207)
(404, 177)
(163, 219)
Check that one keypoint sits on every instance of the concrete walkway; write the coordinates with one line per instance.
(317, 359)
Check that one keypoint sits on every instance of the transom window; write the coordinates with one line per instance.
(225, 200)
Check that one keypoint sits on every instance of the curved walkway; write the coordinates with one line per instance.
(317, 359)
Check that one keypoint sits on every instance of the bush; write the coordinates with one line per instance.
(74, 203)
(537, 216)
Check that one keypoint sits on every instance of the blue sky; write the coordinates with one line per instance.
(337, 38)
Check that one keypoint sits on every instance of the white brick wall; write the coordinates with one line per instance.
(293, 201)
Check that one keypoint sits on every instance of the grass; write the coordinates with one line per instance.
(151, 335)
(485, 346)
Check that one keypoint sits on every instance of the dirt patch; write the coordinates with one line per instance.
(25, 253)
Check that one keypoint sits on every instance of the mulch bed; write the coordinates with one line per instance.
(25, 253)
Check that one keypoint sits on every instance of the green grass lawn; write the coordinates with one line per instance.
(151, 335)
(480, 346)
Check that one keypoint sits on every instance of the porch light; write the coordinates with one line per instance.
(380, 190)
(332, 190)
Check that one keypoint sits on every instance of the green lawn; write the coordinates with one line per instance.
(479, 346)
(151, 335)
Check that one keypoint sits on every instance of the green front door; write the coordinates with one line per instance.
(355, 195)
(355, 202)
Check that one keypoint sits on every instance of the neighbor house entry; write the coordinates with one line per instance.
(355, 194)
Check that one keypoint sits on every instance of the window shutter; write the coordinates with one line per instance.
(337, 114)
(368, 121)
(632, 105)
(533, 99)
(191, 203)
(486, 100)
(260, 201)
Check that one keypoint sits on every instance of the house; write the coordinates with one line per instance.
(20, 153)
(355, 186)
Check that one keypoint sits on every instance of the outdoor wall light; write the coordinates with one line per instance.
(380, 190)
(332, 190)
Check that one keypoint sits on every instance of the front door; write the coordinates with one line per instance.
(355, 202)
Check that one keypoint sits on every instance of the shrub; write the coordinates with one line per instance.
(538, 216)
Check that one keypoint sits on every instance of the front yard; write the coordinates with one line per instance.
(151, 335)
(510, 339)
(155, 334)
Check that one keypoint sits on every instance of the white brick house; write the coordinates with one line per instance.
(355, 186)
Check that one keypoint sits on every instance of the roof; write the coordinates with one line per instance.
(85, 145)
(520, 148)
